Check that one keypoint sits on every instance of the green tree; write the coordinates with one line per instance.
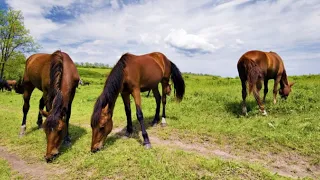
(14, 37)
(15, 66)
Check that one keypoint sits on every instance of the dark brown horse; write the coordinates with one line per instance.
(12, 83)
(131, 75)
(57, 77)
(257, 66)
(4, 85)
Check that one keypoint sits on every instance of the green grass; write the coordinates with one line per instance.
(5, 172)
(210, 113)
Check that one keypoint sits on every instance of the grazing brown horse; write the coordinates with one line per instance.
(4, 85)
(131, 75)
(257, 66)
(12, 83)
(57, 77)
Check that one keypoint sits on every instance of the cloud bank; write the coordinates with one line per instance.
(203, 36)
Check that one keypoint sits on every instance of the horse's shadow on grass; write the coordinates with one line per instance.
(235, 107)
(75, 133)
(136, 131)
(35, 128)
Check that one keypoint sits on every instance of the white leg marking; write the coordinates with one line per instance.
(163, 121)
(264, 113)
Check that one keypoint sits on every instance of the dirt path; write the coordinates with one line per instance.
(39, 170)
(289, 165)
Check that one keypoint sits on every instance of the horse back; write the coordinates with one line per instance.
(146, 71)
(270, 63)
(37, 70)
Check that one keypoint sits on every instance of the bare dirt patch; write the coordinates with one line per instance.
(29, 171)
(288, 164)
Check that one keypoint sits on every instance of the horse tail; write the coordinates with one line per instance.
(254, 74)
(55, 98)
(178, 81)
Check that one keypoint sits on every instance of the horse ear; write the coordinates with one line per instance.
(44, 113)
(105, 109)
(291, 84)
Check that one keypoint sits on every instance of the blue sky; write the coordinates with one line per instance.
(203, 36)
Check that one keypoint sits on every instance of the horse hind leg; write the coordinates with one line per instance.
(244, 96)
(256, 93)
(164, 102)
(26, 97)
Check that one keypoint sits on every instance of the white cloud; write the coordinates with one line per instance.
(191, 43)
(238, 41)
(203, 36)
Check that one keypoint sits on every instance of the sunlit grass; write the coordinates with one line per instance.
(210, 111)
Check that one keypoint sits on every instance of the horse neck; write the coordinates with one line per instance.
(284, 79)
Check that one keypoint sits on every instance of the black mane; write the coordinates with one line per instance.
(55, 98)
(110, 91)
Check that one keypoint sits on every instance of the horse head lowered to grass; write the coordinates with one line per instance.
(57, 77)
(257, 66)
(131, 75)
(4, 85)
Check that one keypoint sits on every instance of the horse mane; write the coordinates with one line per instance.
(111, 89)
(55, 99)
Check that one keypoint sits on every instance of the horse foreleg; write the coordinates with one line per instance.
(157, 96)
(137, 100)
(41, 106)
(275, 89)
(67, 138)
(265, 90)
(26, 97)
(127, 108)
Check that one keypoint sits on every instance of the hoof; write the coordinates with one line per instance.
(264, 113)
(154, 123)
(163, 124)
(67, 143)
(128, 134)
(147, 146)
(22, 131)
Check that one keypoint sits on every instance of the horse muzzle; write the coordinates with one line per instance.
(96, 148)
(51, 157)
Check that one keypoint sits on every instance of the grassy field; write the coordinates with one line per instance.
(206, 137)
(5, 172)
